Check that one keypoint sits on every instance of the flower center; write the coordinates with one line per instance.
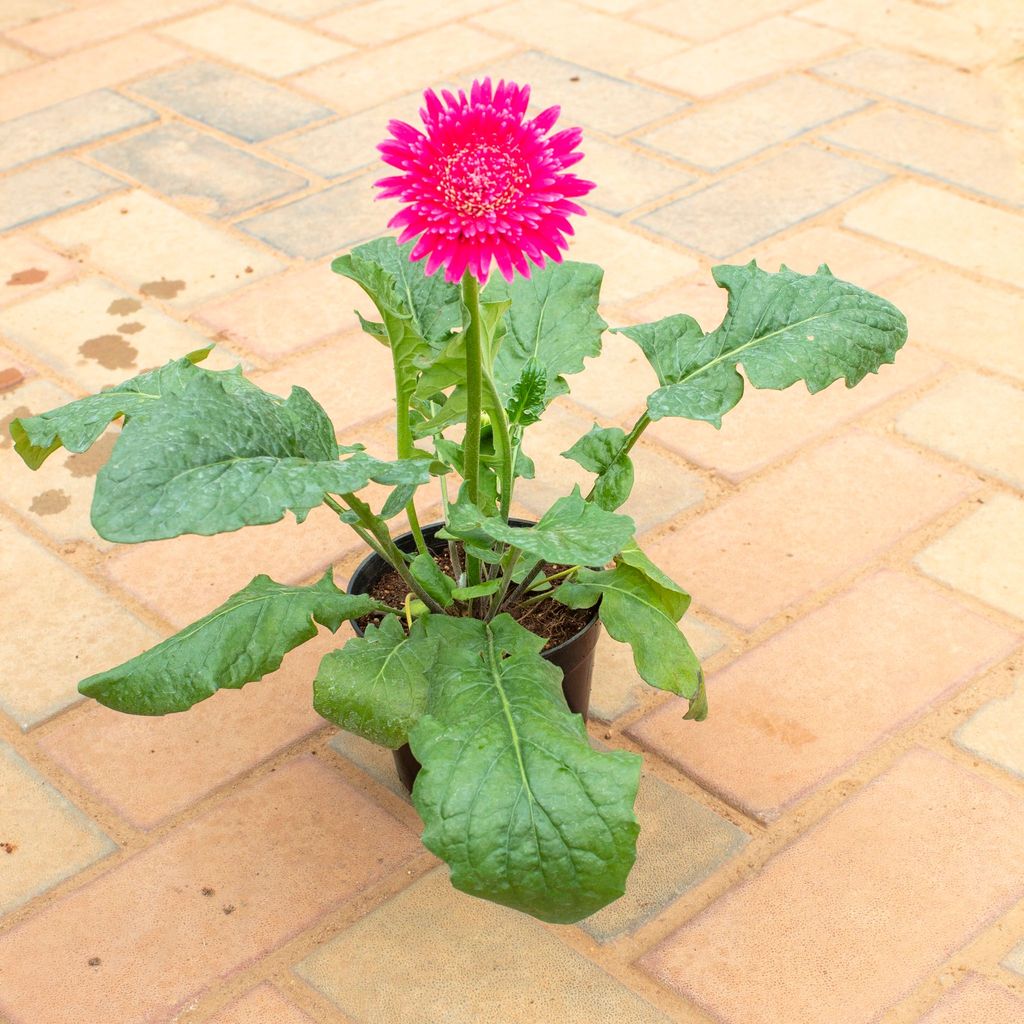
(481, 178)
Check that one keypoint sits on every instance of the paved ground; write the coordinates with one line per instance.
(843, 840)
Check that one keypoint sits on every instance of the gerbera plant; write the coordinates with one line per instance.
(460, 625)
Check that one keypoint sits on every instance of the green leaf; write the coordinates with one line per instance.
(632, 555)
(210, 460)
(376, 685)
(639, 611)
(600, 451)
(782, 328)
(572, 531)
(511, 793)
(78, 425)
(480, 590)
(553, 322)
(432, 579)
(398, 286)
(527, 397)
(237, 643)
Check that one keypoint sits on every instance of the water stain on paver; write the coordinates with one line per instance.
(793, 734)
(91, 462)
(49, 503)
(111, 351)
(10, 377)
(8, 847)
(122, 307)
(162, 289)
(32, 275)
(20, 412)
(133, 327)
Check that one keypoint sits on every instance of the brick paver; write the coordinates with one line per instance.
(181, 173)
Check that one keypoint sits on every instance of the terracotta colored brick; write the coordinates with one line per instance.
(296, 9)
(952, 37)
(280, 853)
(72, 30)
(617, 382)
(55, 498)
(184, 578)
(768, 425)
(806, 524)
(920, 83)
(44, 838)
(662, 489)
(681, 843)
(974, 321)
(617, 688)
(551, 982)
(706, 19)
(286, 313)
(697, 295)
(26, 267)
(612, 45)
(127, 760)
(588, 98)
(261, 1005)
(976, 160)
(789, 715)
(323, 223)
(849, 256)
(179, 161)
(374, 760)
(349, 143)
(238, 104)
(983, 555)
(268, 46)
(67, 125)
(96, 67)
(776, 44)
(996, 731)
(100, 348)
(46, 656)
(633, 264)
(57, 185)
(352, 378)
(831, 931)
(12, 59)
(626, 177)
(387, 20)
(17, 12)
(720, 133)
(976, 1001)
(356, 83)
(183, 261)
(761, 200)
(984, 412)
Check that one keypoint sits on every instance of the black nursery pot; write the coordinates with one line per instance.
(575, 656)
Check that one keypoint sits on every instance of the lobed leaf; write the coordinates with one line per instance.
(511, 794)
(237, 643)
(376, 685)
(782, 327)
(601, 451)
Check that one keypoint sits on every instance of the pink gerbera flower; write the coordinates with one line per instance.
(483, 183)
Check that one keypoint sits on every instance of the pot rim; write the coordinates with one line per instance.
(372, 557)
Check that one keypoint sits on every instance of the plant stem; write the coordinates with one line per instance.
(499, 595)
(474, 390)
(627, 444)
(390, 552)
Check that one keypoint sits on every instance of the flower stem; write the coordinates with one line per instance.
(474, 394)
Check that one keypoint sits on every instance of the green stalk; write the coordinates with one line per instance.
(406, 449)
(389, 550)
(474, 394)
(502, 443)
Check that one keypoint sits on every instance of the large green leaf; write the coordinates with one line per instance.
(553, 321)
(601, 451)
(637, 610)
(573, 531)
(376, 685)
(782, 328)
(237, 643)
(429, 575)
(207, 460)
(78, 425)
(511, 793)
